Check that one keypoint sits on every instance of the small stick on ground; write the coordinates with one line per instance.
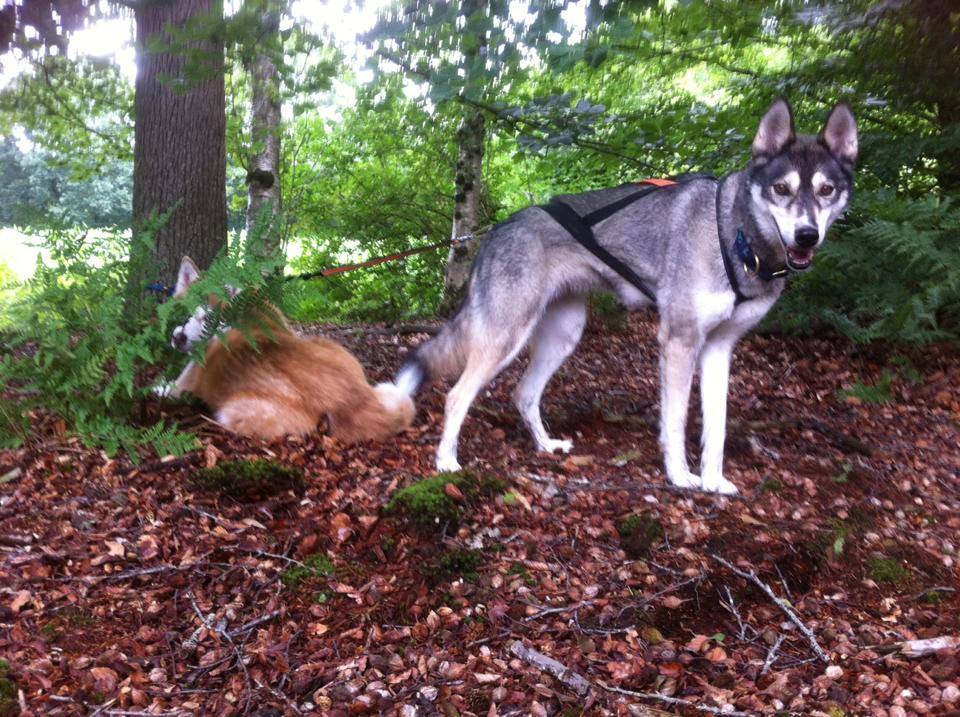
(772, 655)
(675, 701)
(781, 603)
(574, 680)
(552, 610)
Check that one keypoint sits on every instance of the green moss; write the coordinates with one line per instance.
(313, 568)
(886, 570)
(521, 571)
(249, 480)
(611, 312)
(427, 505)
(460, 564)
(8, 692)
(639, 533)
(932, 597)
(772, 485)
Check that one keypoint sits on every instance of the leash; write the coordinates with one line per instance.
(167, 291)
(344, 268)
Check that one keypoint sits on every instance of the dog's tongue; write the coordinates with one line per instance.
(800, 258)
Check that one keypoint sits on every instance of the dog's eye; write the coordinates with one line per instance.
(826, 190)
(782, 189)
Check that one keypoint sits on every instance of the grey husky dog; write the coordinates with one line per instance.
(712, 255)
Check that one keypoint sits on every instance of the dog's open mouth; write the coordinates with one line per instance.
(799, 259)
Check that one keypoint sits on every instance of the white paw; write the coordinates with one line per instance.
(447, 463)
(555, 444)
(685, 479)
(166, 389)
(718, 484)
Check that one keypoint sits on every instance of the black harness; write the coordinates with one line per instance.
(581, 229)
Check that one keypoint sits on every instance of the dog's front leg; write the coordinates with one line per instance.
(714, 377)
(678, 357)
(186, 381)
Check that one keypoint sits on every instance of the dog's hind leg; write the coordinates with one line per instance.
(487, 356)
(554, 339)
(678, 357)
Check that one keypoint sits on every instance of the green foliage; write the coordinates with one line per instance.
(460, 563)
(428, 506)
(886, 570)
(249, 480)
(76, 350)
(373, 184)
(313, 568)
(772, 485)
(877, 394)
(893, 277)
(38, 191)
(79, 110)
(611, 312)
(9, 706)
(249, 285)
(639, 533)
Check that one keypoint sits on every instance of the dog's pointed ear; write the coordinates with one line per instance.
(839, 134)
(186, 277)
(775, 131)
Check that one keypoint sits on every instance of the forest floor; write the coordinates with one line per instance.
(131, 589)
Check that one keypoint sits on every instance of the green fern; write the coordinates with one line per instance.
(893, 277)
(78, 352)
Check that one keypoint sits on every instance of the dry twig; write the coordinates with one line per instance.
(780, 602)
(675, 701)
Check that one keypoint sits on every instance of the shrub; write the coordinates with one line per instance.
(80, 351)
(894, 275)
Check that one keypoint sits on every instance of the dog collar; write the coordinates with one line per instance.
(752, 264)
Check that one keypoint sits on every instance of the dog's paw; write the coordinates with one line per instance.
(719, 484)
(685, 479)
(447, 464)
(556, 444)
(166, 389)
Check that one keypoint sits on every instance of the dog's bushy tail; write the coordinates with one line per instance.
(398, 408)
(440, 357)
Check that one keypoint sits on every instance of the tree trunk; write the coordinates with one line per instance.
(263, 171)
(179, 139)
(468, 204)
(467, 211)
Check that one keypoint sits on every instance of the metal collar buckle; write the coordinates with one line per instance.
(756, 266)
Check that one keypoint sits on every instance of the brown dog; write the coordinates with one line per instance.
(284, 384)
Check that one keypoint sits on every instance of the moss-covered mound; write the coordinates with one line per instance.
(442, 500)
(249, 480)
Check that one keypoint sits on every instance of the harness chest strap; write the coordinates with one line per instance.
(581, 229)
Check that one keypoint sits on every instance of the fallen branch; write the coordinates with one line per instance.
(772, 655)
(255, 623)
(675, 701)
(921, 648)
(780, 602)
(16, 541)
(574, 680)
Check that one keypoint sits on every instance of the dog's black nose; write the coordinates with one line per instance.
(179, 339)
(806, 237)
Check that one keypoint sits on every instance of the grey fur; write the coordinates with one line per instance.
(530, 281)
